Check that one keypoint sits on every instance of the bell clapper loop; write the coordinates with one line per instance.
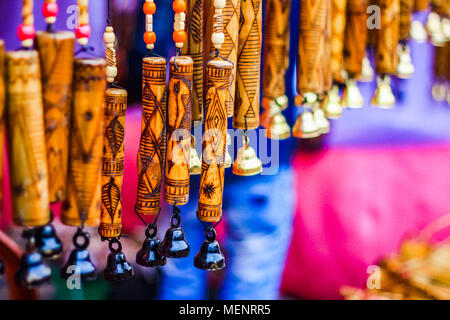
(84, 236)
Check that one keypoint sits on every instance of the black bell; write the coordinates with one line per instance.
(79, 262)
(48, 242)
(2, 268)
(210, 257)
(174, 244)
(149, 256)
(32, 271)
(117, 267)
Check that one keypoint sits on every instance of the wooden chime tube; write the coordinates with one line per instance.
(311, 47)
(82, 205)
(355, 36)
(56, 52)
(229, 49)
(441, 63)
(421, 5)
(115, 108)
(26, 139)
(246, 108)
(179, 117)
(338, 21)
(406, 11)
(2, 114)
(276, 48)
(218, 75)
(326, 61)
(388, 35)
(152, 148)
(194, 49)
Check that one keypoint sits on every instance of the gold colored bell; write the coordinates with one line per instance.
(195, 164)
(277, 126)
(228, 160)
(435, 29)
(352, 98)
(333, 107)
(367, 72)
(247, 163)
(418, 32)
(305, 126)
(439, 92)
(322, 123)
(405, 68)
(383, 97)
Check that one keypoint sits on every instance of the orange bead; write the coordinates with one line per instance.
(179, 36)
(179, 6)
(149, 37)
(149, 8)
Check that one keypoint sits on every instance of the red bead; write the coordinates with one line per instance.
(149, 37)
(25, 32)
(149, 8)
(83, 31)
(179, 6)
(50, 9)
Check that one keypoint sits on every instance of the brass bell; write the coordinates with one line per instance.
(174, 244)
(383, 97)
(352, 98)
(322, 123)
(149, 256)
(32, 270)
(333, 107)
(47, 241)
(405, 68)
(367, 73)
(195, 164)
(418, 32)
(228, 160)
(247, 163)
(79, 261)
(277, 126)
(210, 257)
(305, 127)
(117, 266)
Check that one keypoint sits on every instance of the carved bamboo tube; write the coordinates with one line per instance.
(86, 144)
(276, 48)
(230, 46)
(56, 52)
(338, 21)
(26, 140)
(179, 117)
(311, 46)
(152, 148)
(218, 75)
(246, 108)
(327, 74)
(355, 36)
(386, 55)
(2, 114)
(406, 11)
(194, 49)
(113, 162)
(441, 63)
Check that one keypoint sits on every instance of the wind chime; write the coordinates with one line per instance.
(115, 106)
(418, 32)
(152, 148)
(386, 52)
(276, 63)
(26, 144)
(56, 52)
(83, 202)
(246, 107)
(179, 120)
(405, 68)
(312, 74)
(218, 77)
(354, 51)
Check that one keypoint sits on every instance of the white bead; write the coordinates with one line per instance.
(150, 46)
(179, 26)
(217, 38)
(149, 18)
(83, 41)
(220, 4)
(180, 16)
(50, 20)
(179, 44)
(149, 27)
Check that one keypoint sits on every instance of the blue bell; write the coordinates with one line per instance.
(47, 241)
(32, 271)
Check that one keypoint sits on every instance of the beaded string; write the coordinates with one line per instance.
(83, 30)
(179, 26)
(50, 11)
(149, 35)
(110, 53)
(26, 31)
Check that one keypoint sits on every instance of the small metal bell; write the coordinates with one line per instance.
(149, 256)
(247, 162)
(333, 107)
(79, 260)
(174, 244)
(32, 270)
(117, 266)
(47, 241)
(322, 123)
(367, 73)
(405, 68)
(439, 91)
(352, 98)
(418, 32)
(305, 127)
(277, 126)
(383, 97)
(228, 160)
(435, 29)
(210, 257)
(282, 102)
(195, 164)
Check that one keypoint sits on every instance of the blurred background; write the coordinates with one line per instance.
(337, 204)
